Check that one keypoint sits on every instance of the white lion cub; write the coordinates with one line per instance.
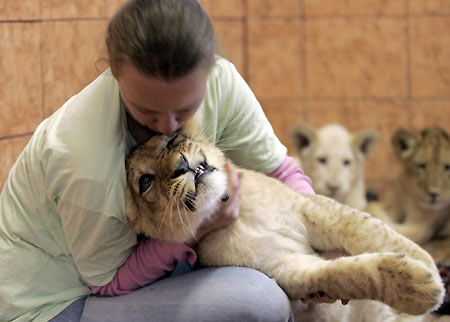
(334, 160)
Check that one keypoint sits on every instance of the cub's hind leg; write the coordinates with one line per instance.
(396, 280)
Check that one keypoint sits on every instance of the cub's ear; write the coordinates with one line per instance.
(404, 141)
(364, 141)
(192, 129)
(304, 138)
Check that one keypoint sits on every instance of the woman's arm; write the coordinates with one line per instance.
(293, 176)
(150, 260)
(105, 252)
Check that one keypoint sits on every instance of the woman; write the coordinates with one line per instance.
(63, 230)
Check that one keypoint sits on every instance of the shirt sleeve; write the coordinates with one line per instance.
(245, 133)
(150, 260)
(99, 243)
(105, 254)
(293, 176)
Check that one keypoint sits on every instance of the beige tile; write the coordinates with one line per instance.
(353, 7)
(71, 53)
(20, 78)
(224, 8)
(275, 58)
(283, 114)
(431, 114)
(230, 34)
(19, 10)
(11, 148)
(112, 6)
(429, 6)
(273, 8)
(355, 57)
(385, 117)
(57, 9)
(430, 53)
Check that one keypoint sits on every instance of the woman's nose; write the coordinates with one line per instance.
(166, 124)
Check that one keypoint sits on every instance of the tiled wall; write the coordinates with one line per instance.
(362, 63)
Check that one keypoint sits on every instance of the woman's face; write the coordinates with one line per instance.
(160, 105)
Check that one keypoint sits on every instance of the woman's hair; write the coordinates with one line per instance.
(162, 38)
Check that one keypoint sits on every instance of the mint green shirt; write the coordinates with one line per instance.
(62, 209)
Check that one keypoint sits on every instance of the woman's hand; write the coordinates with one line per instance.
(229, 208)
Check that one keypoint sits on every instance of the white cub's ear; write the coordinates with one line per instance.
(364, 141)
(404, 141)
(304, 137)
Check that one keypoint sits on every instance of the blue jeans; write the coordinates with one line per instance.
(222, 294)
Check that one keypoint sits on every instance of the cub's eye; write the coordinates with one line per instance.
(145, 181)
(446, 167)
(322, 160)
(421, 165)
(347, 162)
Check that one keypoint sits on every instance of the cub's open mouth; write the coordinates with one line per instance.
(202, 170)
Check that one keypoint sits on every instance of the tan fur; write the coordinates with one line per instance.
(418, 203)
(334, 159)
(277, 230)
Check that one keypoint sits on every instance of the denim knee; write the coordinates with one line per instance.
(259, 299)
(72, 313)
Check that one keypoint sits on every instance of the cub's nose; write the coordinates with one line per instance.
(333, 188)
(183, 167)
(433, 196)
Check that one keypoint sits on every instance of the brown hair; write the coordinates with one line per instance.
(162, 38)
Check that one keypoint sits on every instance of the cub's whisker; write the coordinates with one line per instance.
(183, 225)
(187, 212)
(170, 218)
(169, 204)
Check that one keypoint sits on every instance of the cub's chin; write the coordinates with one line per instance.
(211, 189)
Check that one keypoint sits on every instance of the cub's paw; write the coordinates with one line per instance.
(409, 285)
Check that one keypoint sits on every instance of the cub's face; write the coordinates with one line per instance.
(426, 164)
(333, 157)
(174, 183)
(333, 170)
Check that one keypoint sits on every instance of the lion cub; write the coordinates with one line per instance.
(334, 159)
(417, 205)
(175, 183)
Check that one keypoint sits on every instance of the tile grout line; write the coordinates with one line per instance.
(303, 53)
(41, 71)
(407, 30)
(359, 99)
(245, 41)
(15, 136)
(40, 20)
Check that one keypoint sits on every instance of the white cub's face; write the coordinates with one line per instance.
(331, 167)
(174, 183)
(334, 158)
